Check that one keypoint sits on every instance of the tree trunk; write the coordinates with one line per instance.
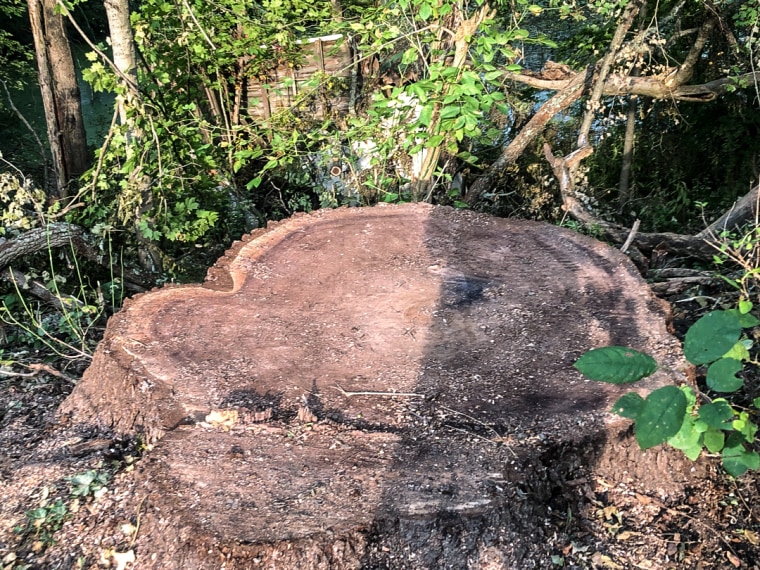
(60, 94)
(624, 186)
(124, 56)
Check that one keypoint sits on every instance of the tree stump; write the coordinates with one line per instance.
(389, 387)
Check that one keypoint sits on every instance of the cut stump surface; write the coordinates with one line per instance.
(368, 388)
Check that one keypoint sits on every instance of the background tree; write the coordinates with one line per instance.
(60, 94)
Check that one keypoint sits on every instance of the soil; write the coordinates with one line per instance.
(380, 388)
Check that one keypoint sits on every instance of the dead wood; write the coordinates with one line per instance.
(669, 84)
(744, 210)
(26, 284)
(53, 236)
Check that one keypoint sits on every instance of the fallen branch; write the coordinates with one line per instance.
(62, 234)
(26, 284)
(629, 240)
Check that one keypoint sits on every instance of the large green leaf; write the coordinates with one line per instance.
(616, 365)
(661, 417)
(721, 375)
(711, 337)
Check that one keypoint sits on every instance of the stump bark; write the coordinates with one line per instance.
(389, 387)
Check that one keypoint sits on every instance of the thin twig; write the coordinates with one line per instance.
(137, 522)
(17, 374)
(38, 367)
(370, 393)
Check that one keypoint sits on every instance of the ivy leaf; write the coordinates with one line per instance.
(717, 414)
(661, 417)
(616, 365)
(721, 375)
(737, 460)
(711, 337)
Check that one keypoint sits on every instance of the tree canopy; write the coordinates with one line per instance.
(537, 110)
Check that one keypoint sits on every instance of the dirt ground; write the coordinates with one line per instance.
(534, 477)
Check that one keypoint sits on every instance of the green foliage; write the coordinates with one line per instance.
(616, 364)
(660, 416)
(67, 325)
(43, 522)
(16, 59)
(711, 336)
(684, 417)
(205, 159)
(47, 519)
(90, 482)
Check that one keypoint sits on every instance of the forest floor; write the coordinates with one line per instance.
(52, 502)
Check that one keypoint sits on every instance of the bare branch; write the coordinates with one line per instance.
(686, 69)
(626, 21)
(561, 101)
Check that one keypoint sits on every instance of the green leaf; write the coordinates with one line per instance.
(745, 319)
(745, 428)
(410, 56)
(717, 414)
(688, 439)
(425, 11)
(450, 112)
(616, 365)
(745, 306)
(740, 351)
(434, 141)
(737, 460)
(721, 375)
(629, 406)
(418, 91)
(661, 417)
(426, 115)
(714, 440)
(711, 337)
(691, 397)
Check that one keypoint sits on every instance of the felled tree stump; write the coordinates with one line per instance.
(388, 387)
